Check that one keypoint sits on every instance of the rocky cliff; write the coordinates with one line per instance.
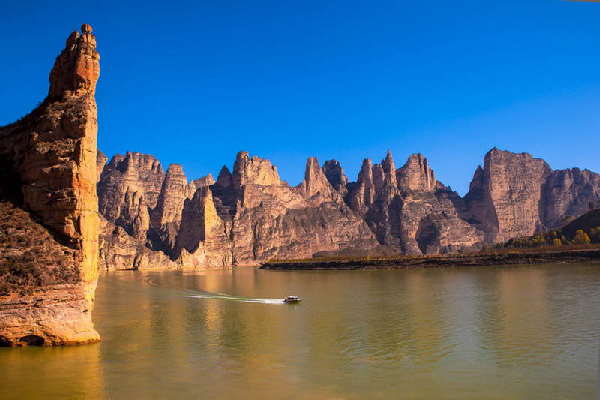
(516, 195)
(408, 209)
(245, 217)
(49, 207)
(250, 215)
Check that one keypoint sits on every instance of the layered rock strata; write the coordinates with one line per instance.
(250, 215)
(245, 217)
(409, 210)
(49, 227)
(517, 195)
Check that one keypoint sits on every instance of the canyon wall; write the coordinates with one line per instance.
(49, 208)
(516, 195)
(249, 215)
(244, 217)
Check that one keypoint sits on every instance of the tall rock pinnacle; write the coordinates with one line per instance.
(315, 181)
(77, 68)
(416, 175)
(52, 155)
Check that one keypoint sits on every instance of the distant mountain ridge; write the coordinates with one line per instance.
(249, 215)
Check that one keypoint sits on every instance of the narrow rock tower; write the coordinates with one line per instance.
(49, 275)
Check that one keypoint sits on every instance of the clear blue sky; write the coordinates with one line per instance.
(195, 82)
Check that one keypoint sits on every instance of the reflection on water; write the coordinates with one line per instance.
(487, 333)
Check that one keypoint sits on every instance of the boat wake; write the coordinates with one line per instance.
(221, 296)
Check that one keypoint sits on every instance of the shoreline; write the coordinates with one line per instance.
(439, 261)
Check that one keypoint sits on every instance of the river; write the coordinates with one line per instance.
(526, 332)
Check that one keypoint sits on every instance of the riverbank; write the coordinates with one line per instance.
(528, 256)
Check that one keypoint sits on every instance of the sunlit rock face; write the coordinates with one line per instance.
(49, 226)
(408, 209)
(243, 218)
(516, 195)
(250, 215)
(416, 175)
(505, 195)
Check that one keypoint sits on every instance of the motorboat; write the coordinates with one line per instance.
(292, 299)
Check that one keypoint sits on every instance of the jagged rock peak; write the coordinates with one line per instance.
(505, 156)
(366, 171)
(175, 169)
(315, 181)
(207, 180)
(335, 175)
(133, 161)
(225, 178)
(389, 170)
(254, 171)
(388, 161)
(416, 174)
(77, 68)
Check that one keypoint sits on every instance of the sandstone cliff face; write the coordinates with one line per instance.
(505, 195)
(568, 194)
(409, 210)
(416, 175)
(278, 221)
(49, 277)
(336, 176)
(250, 215)
(516, 195)
(246, 217)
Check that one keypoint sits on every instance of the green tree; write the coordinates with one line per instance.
(581, 237)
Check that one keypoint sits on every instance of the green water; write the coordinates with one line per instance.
(512, 333)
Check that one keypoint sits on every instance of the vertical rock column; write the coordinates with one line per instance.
(53, 152)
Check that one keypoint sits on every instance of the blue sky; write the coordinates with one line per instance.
(195, 82)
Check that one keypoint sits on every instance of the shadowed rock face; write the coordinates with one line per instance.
(568, 194)
(336, 177)
(48, 277)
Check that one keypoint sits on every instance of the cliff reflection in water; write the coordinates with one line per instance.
(450, 333)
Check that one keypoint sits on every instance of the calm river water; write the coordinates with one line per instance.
(479, 333)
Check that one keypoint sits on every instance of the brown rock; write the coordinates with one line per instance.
(316, 183)
(416, 175)
(406, 212)
(102, 160)
(166, 217)
(51, 154)
(336, 177)
(516, 195)
(504, 197)
(567, 194)
(254, 170)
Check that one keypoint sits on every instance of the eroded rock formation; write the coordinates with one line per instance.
(250, 215)
(245, 217)
(516, 195)
(49, 225)
(409, 210)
